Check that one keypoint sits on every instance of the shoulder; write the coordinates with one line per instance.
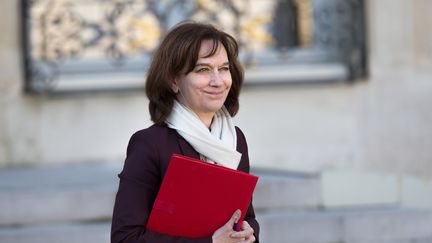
(154, 133)
(241, 141)
(240, 133)
(243, 149)
(146, 152)
(151, 137)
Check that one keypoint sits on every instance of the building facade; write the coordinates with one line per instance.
(377, 123)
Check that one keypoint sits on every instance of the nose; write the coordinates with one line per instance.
(215, 79)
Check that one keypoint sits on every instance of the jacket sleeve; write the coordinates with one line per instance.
(139, 183)
(245, 166)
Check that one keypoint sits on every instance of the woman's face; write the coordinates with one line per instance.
(205, 88)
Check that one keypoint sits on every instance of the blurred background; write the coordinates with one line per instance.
(336, 108)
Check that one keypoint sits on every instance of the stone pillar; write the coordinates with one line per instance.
(18, 113)
(10, 56)
(390, 34)
(10, 62)
(422, 35)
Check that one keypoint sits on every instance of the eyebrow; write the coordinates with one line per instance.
(209, 65)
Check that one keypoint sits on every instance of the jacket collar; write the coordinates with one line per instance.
(186, 149)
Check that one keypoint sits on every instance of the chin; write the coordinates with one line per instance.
(214, 108)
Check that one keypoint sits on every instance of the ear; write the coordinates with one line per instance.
(175, 87)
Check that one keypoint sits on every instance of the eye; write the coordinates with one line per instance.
(226, 68)
(202, 70)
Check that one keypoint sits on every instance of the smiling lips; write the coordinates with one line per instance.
(215, 94)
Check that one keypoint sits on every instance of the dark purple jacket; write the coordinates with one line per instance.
(148, 155)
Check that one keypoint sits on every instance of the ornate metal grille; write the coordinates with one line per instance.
(82, 45)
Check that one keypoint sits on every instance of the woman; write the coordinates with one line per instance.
(193, 85)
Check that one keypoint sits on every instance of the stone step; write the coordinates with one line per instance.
(86, 192)
(283, 190)
(59, 194)
(63, 233)
(350, 226)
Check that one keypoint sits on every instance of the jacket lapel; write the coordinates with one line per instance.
(186, 149)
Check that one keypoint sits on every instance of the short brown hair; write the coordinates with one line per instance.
(178, 52)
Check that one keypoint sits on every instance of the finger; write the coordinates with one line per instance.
(252, 239)
(249, 240)
(245, 225)
(234, 218)
(239, 234)
(246, 233)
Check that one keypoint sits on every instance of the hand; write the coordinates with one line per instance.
(224, 233)
(246, 233)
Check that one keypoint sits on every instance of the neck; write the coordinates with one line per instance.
(206, 119)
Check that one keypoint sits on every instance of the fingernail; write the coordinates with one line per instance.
(237, 213)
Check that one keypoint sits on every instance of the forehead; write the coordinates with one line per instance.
(207, 47)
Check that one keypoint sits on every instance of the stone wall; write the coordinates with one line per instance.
(48, 130)
(422, 36)
(382, 123)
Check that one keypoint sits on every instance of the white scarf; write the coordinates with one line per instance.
(218, 145)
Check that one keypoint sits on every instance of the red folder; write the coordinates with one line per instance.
(196, 198)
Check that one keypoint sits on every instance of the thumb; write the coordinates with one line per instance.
(234, 218)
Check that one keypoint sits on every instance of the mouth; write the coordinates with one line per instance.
(216, 94)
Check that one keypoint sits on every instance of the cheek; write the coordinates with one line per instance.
(227, 80)
(189, 85)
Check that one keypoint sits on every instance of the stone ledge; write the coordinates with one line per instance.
(87, 192)
(286, 191)
(57, 194)
(62, 206)
(67, 233)
(350, 226)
